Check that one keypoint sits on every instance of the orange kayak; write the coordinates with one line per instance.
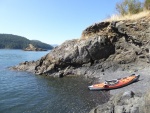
(116, 83)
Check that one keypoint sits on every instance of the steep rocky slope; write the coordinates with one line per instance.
(105, 46)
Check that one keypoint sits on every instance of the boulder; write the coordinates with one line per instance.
(127, 102)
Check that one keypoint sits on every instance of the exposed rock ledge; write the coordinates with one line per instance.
(32, 48)
(127, 102)
(109, 46)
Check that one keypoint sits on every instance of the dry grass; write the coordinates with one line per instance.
(129, 16)
(144, 14)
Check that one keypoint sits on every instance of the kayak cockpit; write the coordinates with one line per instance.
(111, 82)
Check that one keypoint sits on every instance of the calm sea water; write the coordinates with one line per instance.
(23, 92)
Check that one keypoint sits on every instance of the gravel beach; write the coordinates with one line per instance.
(142, 85)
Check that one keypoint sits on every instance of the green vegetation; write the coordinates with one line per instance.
(9, 41)
(147, 4)
(127, 7)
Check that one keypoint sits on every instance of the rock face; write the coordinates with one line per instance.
(32, 48)
(104, 46)
(127, 102)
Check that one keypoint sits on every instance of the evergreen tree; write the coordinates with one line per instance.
(9, 41)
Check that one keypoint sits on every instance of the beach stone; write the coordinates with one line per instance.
(119, 109)
(136, 104)
(127, 95)
(134, 110)
(147, 102)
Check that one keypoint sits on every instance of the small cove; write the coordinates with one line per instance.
(23, 92)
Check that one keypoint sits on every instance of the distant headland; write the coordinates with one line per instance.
(10, 41)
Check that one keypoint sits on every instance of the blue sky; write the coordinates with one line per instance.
(52, 21)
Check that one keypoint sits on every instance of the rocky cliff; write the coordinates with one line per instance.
(105, 46)
(106, 50)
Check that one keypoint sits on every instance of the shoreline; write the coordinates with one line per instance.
(105, 51)
(133, 98)
(140, 86)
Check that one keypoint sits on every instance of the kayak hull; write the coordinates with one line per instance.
(120, 83)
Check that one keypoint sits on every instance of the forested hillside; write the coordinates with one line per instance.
(9, 41)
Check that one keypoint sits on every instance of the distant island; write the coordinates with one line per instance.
(10, 41)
